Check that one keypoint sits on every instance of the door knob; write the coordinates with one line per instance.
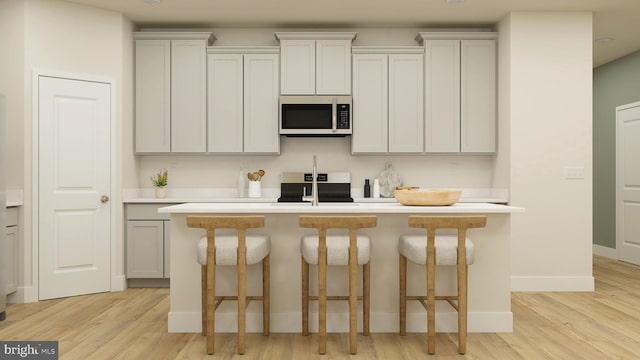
(104, 198)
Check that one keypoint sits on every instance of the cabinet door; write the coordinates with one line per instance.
(369, 103)
(478, 96)
(261, 134)
(406, 103)
(225, 99)
(10, 259)
(442, 95)
(298, 67)
(153, 95)
(333, 67)
(188, 96)
(145, 249)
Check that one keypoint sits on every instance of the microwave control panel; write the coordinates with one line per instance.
(343, 116)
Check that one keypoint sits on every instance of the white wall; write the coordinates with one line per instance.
(65, 38)
(12, 86)
(549, 69)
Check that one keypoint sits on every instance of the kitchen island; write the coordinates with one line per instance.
(489, 277)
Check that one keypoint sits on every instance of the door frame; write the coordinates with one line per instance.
(117, 282)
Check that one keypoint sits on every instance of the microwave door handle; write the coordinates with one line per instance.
(334, 116)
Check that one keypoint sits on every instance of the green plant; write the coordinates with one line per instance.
(160, 179)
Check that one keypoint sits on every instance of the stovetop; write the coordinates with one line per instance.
(332, 187)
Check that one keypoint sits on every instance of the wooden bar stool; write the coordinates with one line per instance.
(226, 250)
(438, 250)
(323, 250)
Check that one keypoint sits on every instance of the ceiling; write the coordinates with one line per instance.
(612, 19)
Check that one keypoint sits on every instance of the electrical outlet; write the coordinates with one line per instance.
(574, 172)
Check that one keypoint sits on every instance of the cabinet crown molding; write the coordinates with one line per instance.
(315, 35)
(243, 50)
(456, 35)
(387, 50)
(175, 35)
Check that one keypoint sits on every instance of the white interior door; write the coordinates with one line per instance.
(73, 187)
(628, 183)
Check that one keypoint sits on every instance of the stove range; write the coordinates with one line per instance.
(332, 186)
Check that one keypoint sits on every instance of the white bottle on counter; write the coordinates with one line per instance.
(376, 188)
(241, 184)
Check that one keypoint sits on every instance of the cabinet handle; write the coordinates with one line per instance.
(104, 198)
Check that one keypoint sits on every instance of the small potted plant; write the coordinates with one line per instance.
(159, 181)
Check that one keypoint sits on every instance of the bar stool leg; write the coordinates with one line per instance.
(366, 290)
(431, 293)
(353, 302)
(403, 295)
(322, 300)
(242, 294)
(462, 314)
(203, 280)
(211, 313)
(266, 294)
(462, 301)
(242, 305)
(305, 297)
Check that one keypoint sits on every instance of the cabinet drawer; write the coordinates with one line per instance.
(12, 216)
(146, 212)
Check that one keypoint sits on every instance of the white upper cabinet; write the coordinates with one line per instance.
(188, 96)
(333, 67)
(226, 102)
(298, 67)
(478, 100)
(388, 100)
(153, 96)
(442, 96)
(261, 131)
(243, 100)
(315, 63)
(170, 91)
(460, 92)
(406, 103)
(370, 106)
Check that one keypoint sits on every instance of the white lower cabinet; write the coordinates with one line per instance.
(387, 101)
(10, 251)
(243, 101)
(460, 92)
(147, 242)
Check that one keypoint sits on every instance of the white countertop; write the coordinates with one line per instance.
(333, 208)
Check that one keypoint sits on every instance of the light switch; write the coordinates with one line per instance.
(574, 172)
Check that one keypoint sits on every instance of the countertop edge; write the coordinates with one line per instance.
(371, 208)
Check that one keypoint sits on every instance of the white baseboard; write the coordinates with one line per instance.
(24, 294)
(190, 322)
(552, 283)
(118, 283)
(607, 252)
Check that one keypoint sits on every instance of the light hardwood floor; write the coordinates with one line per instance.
(132, 324)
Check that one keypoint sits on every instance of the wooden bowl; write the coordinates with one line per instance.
(423, 197)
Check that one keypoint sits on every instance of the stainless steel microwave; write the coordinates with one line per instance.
(311, 115)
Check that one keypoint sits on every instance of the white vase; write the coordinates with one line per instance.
(255, 190)
(161, 193)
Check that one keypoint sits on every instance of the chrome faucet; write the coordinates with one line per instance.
(314, 185)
